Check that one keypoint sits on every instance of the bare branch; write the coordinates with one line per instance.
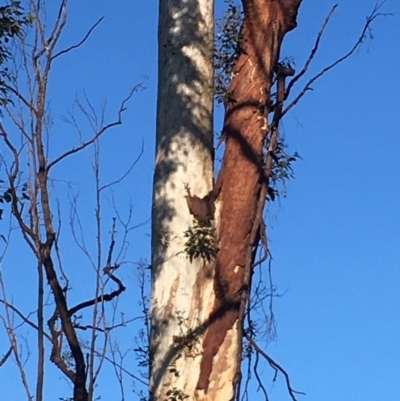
(79, 237)
(49, 44)
(57, 248)
(21, 97)
(97, 135)
(7, 322)
(23, 317)
(6, 356)
(68, 49)
(258, 378)
(374, 14)
(312, 53)
(275, 366)
(27, 232)
(117, 181)
(102, 297)
(55, 355)
(115, 349)
(108, 328)
(31, 120)
(124, 370)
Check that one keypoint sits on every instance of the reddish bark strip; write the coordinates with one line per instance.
(245, 127)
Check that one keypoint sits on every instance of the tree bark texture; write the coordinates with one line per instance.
(196, 317)
(239, 184)
(182, 290)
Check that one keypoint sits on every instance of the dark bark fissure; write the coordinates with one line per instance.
(242, 178)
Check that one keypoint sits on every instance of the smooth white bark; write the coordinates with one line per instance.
(184, 148)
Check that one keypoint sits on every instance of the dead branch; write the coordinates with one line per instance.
(21, 97)
(37, 228)
(23, 317)
(126, 229)
(274, 366)
(107, 328)
(79, 238)
(49, 44)
(258, 378)
(120, 179)
(312, 53)
(27, 232)
(101, 131)
(101, 298)
(245, 395)
(55, 355)
(108, 270)
(125, 370)
(367, 26)
(115, 350)
(57, 249)
(68, 49)
(3, 360)
(7, 322)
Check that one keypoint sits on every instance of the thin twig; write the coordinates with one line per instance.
(125, 370)
(109, 328)
(6, 356)
(23, 317)
(312, 53)
(68, 49)
(97, 135)
(21, 97)
(258, 378)
(374, 14)
(118, 180)
(275, 366)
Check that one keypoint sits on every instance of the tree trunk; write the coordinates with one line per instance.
(239, 183)
(197, 308)
(182, 292)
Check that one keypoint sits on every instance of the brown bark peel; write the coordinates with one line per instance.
(245, 128)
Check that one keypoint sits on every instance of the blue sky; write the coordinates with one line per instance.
(335, 238)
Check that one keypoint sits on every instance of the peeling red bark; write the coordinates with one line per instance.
(240, 178)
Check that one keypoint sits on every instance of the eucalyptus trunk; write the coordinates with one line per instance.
(182, 291)
(198, 302)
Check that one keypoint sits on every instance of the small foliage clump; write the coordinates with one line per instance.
(7, 195)
(12, 21)
(200, 241)
(227, 49)
(282, 169)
